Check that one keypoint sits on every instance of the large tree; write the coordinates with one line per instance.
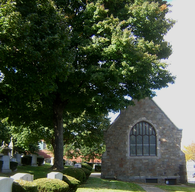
(64, 57)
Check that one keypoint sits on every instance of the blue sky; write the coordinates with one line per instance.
(178, 100)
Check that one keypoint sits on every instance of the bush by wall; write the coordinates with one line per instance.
(40, 160)
(23, 186)
(26, 160)
(72, 182)
(51, 185)
(13, 165)
(98, 168)
(86, 166)
(77, 173)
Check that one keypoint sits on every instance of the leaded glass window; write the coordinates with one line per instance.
(143, 140)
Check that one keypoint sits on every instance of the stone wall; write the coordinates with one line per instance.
(169, 162)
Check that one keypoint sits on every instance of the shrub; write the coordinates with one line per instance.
(1, 165)
(51, 185)
(77, 173)
(23, 186)
(40, 160)
(26, 160)
(13, 165)
(90, 164)
(72, 182)
(86, 166)
(87, 173)
(98, 168)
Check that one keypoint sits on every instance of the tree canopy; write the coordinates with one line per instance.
(190, 152)
(65, 57)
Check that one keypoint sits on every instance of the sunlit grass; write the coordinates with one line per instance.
(97, 184)
(177, 188)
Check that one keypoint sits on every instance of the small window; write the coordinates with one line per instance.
(143, 140)
(151, 180)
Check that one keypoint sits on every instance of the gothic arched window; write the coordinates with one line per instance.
(143, 140)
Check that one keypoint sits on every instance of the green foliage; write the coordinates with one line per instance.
(23, 186)
(98, 168)
(87, 173)
(72, 182)
(189, 152)
(87, 166)
(66, 57)
(90, 164)
(51, 185)
(5, 133)
(13, 165)
(77, 173)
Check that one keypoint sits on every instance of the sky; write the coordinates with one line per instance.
(178, 100)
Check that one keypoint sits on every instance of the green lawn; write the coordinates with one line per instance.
(38, 172)
(178, 188)
(101, 185)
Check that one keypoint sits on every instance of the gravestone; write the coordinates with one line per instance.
(77, 165)
(23, 176)
(55, 175)
(34, 160)
(52, 161)
(6, 164)
(6, 184)
(18, 158)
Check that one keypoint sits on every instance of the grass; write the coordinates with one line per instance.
(38, 172)
(177, 188)
(94, 184)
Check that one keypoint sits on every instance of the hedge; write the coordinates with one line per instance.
(77, 173)
(98, 168)
(86, 166)
(72, 182)
(23, 186)
(87, 173)
(51, 185)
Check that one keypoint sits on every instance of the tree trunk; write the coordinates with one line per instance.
(58, 133)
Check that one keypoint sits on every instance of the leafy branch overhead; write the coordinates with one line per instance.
(66, 57)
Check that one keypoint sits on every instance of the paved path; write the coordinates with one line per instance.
(150, 188)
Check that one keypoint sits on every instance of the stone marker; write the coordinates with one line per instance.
(55, 175)
(18, 158)
(6, 164)
(77, 165)
(34, 160)
(23, 176)
(52, 161)
(6, 184)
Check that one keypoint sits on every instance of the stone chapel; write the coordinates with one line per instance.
(143, 145)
